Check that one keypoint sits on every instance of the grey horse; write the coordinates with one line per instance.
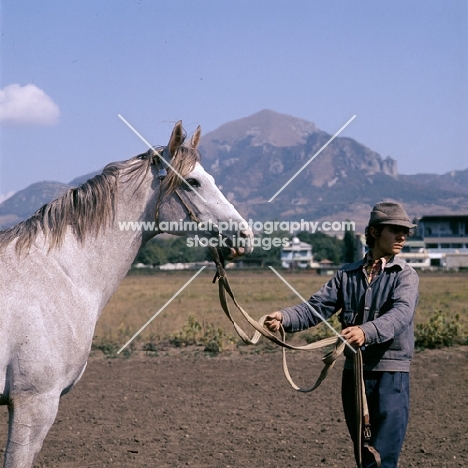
(59, 268)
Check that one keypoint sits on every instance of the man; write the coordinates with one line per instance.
(377, 297)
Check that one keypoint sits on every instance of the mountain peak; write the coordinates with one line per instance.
(263, 127)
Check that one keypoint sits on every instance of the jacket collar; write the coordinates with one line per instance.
(393, 262)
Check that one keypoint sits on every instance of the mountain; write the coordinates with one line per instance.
(26, 202)
(81, 179)
(253, 159)
(251, 164)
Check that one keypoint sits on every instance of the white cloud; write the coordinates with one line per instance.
(27, 105)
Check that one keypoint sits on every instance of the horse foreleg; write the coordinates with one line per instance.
(30, 418)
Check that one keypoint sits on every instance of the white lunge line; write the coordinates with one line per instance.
(160, 310)
(311, 159)
(136, 133)
(312, 309)
(155, 152)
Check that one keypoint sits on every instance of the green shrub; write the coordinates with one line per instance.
(110, 346)
(150, 348)
(213, 338)
(439, 332)
(193, 333)
(189, 335)
(107, 347)
(322, 331)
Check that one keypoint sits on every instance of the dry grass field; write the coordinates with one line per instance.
(140, 296)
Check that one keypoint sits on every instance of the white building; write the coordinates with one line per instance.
(297, 254)
(445, 239)
(415, 254)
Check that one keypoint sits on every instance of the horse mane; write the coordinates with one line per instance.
(87, 208)
(90, 207)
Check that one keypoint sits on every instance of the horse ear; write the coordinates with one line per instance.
(177, 138)
(195, 140)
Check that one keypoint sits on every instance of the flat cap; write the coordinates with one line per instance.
(390, 213)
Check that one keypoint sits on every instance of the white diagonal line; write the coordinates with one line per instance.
(160, 310)
(311, 159)
(135, 132)
(312, 309)
(155, 152)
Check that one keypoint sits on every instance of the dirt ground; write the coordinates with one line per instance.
(179, 409)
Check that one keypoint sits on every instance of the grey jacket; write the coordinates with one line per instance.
(384, 310)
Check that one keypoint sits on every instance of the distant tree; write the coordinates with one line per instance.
(349, 247)
(323, 246)
(180, 251)
(267, 249)
(169, 250)
(153, 253)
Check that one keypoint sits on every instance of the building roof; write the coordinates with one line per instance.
(295, 243)
(438, 216)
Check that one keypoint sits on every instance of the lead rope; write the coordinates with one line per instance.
(363, 434)
(363, 428)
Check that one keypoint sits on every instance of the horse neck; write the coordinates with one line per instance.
(99, 263)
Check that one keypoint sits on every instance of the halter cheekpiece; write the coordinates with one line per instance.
(153, 153)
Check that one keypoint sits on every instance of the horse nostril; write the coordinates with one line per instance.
(244, 233)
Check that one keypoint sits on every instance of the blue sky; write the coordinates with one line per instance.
(69, 68)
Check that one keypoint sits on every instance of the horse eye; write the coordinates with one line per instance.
(193, 183)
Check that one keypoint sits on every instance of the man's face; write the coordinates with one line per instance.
(391, 241)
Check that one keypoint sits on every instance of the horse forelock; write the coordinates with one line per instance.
(183, 162)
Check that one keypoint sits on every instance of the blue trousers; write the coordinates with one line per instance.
(388, 401)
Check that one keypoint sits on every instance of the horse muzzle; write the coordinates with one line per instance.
(237, 245)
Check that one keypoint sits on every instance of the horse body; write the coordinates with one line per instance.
(56, 281)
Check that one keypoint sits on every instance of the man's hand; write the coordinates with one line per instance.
(354, 336)
(273, 321)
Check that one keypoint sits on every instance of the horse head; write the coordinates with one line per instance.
(189, 202)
